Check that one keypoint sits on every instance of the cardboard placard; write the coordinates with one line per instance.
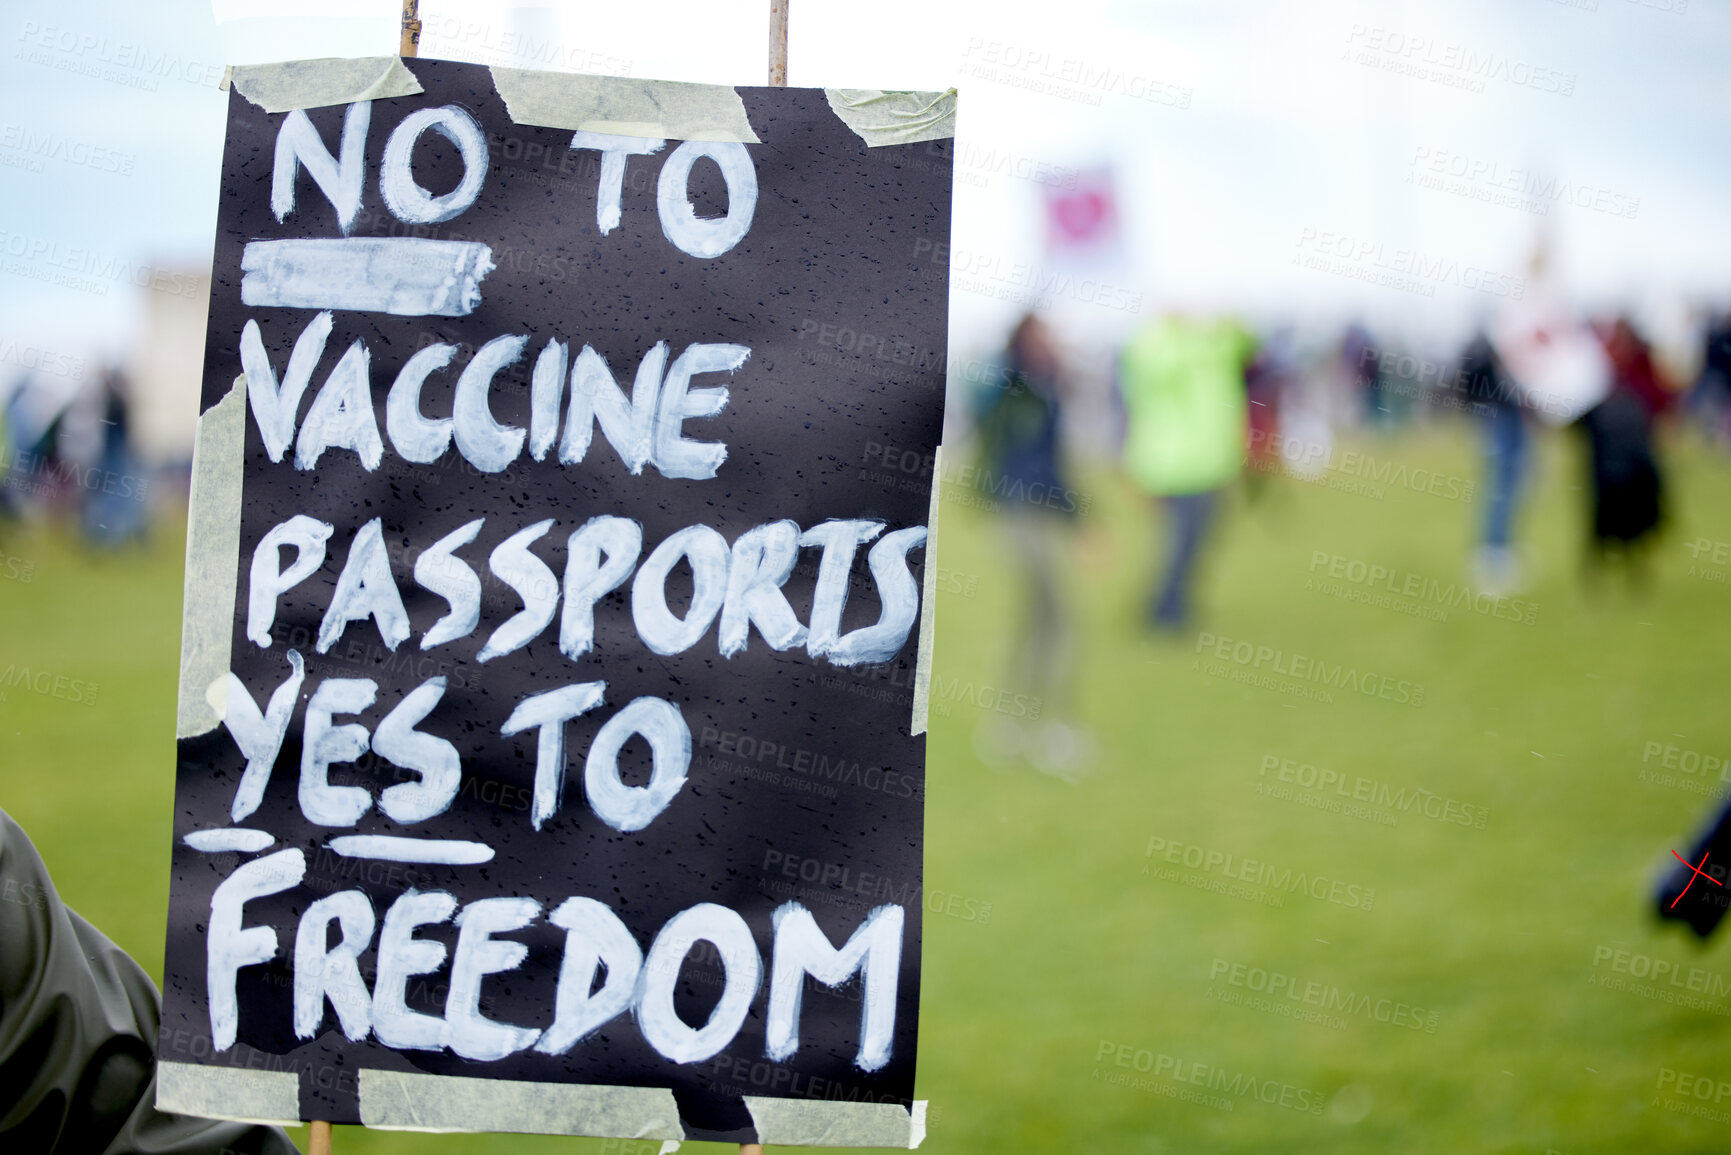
(547, 758)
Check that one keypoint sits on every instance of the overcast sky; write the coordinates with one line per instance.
(1271, 157)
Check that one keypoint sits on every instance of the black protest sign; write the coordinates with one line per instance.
(547, 741)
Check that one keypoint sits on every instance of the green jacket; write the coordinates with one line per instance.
(1183, 385)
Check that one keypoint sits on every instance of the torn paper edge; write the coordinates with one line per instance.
(401, 1101)
(880, 118)
(212, 555)
(295, 84)
(658, 109)
(929, 606)
(238, 1093)
(829, 1123)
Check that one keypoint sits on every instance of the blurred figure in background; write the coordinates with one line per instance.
(1018, 413)
(1272, 375)
(1627, 490)
(114, 506)
(1552, 364)
(1493, 394)
(1710, 400)
(9, 504)
(1185, 415)
(1363, 366)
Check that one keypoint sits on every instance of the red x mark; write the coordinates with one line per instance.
(1699, 873)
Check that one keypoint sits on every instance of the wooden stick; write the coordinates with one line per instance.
(319, 1142)
(777, 79)
(777, 73)
(411, 41)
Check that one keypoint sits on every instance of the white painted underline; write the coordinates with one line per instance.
(449, 851)
(406, 276)
(228, 838)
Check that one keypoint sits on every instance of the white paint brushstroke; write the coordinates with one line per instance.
(533, 581)
(899, 594)
(259, 735)
(873, 951)
(679, 220)
(231, 945)
(661, 1025)
(403, 194)
(628, 809)
(614, 150)
(439, 569)
(549, 711)
(227, 839)
(391, 848)
(404, 276)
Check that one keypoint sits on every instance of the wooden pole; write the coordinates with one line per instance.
(777, 79)
(320, 1141)
(777, 54)
(411, 41)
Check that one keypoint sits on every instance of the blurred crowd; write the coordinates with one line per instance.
(1203, 404)
(67, 453)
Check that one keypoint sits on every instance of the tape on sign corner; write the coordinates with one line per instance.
(830, 1123)
(401, 1101)
(668, 1147)
(661, 109)
(239, 1093)
(881, 118)
(929, 608)
(212, 551)
(296, 84)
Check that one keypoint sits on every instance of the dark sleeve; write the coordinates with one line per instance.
(78, 1027)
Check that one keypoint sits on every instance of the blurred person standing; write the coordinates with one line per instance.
(1710, 399)
(1362, 362)
(1183, 381)
(1271, 377)
(1627, 487)
(114, 493)
(1551, 364)
(1492, 393)
(1018, 413)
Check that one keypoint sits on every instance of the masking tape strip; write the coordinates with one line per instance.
(829, 1123)
(400, 1101)
(212, 555)
(929, 606)
(881, 118)
(316, 83)
(664, 109)
(229, 1093)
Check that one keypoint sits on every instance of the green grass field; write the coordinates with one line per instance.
(1060, 1021)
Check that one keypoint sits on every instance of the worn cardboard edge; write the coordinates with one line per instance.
(660, 109)
(830, 1123)
(212, 554)
(239, 1093)
(881, 118)
(294, 84)
(402, 1101)
(928, 606)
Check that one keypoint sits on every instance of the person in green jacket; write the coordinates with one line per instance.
(1182, 380)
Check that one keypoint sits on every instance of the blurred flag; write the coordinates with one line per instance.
(1082, 220)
